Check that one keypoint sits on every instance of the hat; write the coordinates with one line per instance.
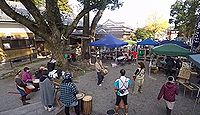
(67, 75)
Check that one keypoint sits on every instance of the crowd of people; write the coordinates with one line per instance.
(66, 90)
(48, 87)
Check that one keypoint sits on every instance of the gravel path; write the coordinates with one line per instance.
(104, 97)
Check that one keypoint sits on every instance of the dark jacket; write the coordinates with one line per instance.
(168, 92)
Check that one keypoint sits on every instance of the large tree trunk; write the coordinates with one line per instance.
(57, 46)
(86, 24)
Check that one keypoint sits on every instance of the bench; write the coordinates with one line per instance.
(19, 59)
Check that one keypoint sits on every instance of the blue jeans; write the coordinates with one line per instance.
(22, 92)
(100, 78)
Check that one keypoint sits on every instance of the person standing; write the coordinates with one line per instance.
(47, 91)
(121, 87)
(21, 88)
(169, 65)
(68, 93)
(139, 78)
(51, 64)
(179, 64)
(99, 67)
(169, 91)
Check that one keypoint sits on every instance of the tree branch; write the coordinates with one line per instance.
(33, 10)
(72, 26)
(53, 15)
(17, 17)
(96, 19)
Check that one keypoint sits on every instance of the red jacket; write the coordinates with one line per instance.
(168, 92)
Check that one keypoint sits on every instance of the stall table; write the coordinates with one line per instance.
(190, 86)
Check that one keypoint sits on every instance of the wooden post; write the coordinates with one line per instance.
(10, 63)
(30, 58)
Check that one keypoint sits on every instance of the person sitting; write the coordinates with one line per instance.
(28, 79)
(73, 57)
(26, 76)
(21, 88)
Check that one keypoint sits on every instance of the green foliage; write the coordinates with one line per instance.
(62, 4)
(143, 33)
(156, 24)
(184, 14)
(110, 4)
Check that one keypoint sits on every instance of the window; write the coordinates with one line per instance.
(17, 43)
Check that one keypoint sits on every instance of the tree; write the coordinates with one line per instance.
(50, 26)
(156, 24)
(62, 4)
(90, 31)
(143, 33)
(184, 15)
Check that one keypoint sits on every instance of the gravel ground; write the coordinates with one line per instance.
(145, 103)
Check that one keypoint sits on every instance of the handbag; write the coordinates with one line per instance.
(104, 72)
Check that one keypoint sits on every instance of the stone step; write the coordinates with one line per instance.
(33, 109)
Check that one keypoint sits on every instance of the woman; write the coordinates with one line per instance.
(139, 78)
(26, 76)
(169, 91)
(68, 93)
(47, 91)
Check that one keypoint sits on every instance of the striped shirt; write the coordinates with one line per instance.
(68, 93)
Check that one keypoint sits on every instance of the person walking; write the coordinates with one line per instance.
(169, 91)
(21, 88)
(47, 91)
(121, 87)
(139, 78)
(99, 67)
(68, 93)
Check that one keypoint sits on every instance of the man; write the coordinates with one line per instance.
(68, 93)
(169, 64)
(99, 67)
(121, 86)
(169, 91)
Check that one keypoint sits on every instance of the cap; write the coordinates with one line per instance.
(67, 75)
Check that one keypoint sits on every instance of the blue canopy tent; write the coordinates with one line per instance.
(195, 59)
(179, 43)
(109, 41)
(148, 41)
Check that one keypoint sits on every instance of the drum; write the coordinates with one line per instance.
(87, 105)
(80, 97)
(28, 89)
(36, 83)
(36, 80)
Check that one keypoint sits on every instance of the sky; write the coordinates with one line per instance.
(135, 13)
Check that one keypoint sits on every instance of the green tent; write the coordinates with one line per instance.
(171, 50)
(130, 42)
